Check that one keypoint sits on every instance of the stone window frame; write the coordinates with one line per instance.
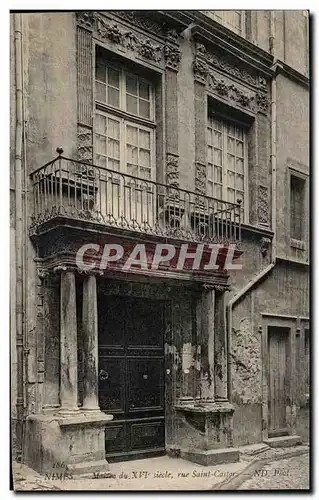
(295, 171)
(228, 119)
(156, 81)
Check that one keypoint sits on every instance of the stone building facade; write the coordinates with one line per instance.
(158, 127)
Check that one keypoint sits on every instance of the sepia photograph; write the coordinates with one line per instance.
(160, 329)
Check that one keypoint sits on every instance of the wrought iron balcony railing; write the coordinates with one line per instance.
(70, 188)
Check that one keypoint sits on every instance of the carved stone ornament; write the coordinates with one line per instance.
(263, 205)
(85, 144)
(85, 19)
(127, 39)
(172, 56)
(230, 68)
(231, 92)
(200, 178)
(262, 102)
(149, 50)
(172, 172)
(264, 245)
(200, 70)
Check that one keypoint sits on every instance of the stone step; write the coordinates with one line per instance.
(253, 449)
(211, 457)
(90, 469)
(283, 441)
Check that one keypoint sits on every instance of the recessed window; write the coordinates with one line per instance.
(124, 121)
(297, 197)
(226, 160)
(232, 19)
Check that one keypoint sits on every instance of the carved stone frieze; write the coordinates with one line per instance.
(172, 172)
(263, 205)
(221, 63)
(172, 56)
(128, 40)
(231, 92)
(142, 20)
(85, 144)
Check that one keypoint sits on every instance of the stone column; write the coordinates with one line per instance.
(68, 343)
(90, 344)
(220, 357)
(207, 346)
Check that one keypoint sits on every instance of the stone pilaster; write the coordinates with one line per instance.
(220, 344)
(207, 389)
(90, 344)
(68, 343)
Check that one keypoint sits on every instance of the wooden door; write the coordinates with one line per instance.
(278, 380)
(131, 376)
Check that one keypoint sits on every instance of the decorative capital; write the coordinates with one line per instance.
(86, 19)
(264, 245)
(91, 272)
(42, 273)
(172, 56)
(200, 69)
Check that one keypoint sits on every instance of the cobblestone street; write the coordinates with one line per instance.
(287, 474)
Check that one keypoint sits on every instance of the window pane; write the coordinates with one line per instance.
(144, 108)
(231, 179)
(144, 139)
(218, 174)
(239, 148)
(210, 154)
(217, 139)
(100, 144)
(144, 90)
(240, 182)
(132, 154)
(209, 136)
(239, 133)
(132, 170)
(100, 71)
(231, 162)
(113, 148)
(101, 160)
(210, 189)
(218, 192)
(145, 173)
(239, 166)
(131, 104)
(145, 158)
(100, 124)
(113, 164)
(100, 90)
(231, 195)
(113, 77)
(132, 135)
(230, 145)
(113, 97)
(231, 129)
(113, 130)
(131, 84)
(217, 157)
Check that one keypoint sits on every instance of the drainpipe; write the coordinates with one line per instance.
(252, 283)
(19, 233)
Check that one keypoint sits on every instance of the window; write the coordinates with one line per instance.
(232, 19)
(124, 123)
(226, 160)
(297, 192)
(123, 90)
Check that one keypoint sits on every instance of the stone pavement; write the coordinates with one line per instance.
(165, 473)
